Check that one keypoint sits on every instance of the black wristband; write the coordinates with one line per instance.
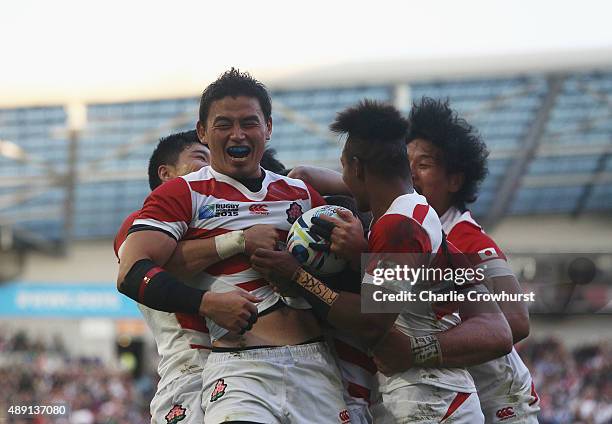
(152, 286)
(320, 297)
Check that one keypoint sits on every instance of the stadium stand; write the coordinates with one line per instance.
(550, 138)
(44, 373)
(575, 386)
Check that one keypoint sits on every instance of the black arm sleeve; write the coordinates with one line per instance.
(152, 286)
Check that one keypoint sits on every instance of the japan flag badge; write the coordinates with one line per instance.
(488, 253)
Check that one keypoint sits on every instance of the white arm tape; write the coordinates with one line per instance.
(230, 244)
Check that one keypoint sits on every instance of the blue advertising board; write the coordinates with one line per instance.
(40, 300)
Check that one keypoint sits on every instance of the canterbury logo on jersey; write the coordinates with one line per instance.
(217, 210)
(259, 209)
(505, 413)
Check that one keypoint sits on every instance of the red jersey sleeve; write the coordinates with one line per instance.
(123, 232)
(168, 208)
(315, 198)
(396, 240)
(395, 233)
(472, 241)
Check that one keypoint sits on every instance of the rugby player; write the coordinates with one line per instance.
(448, 162)
(434, 386)
(255, 376)
(182, 340)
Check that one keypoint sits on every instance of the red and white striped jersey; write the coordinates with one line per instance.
(206, 203)
(356, 367)
(506, 375)
(410, 225)
(465, 233)
(182, 340)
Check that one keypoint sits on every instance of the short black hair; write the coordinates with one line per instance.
(463, 150)
(167, 153)
(269, 162)
(235, 83)
(376, 136)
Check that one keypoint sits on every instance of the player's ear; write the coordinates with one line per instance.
(201, 130)
(164, 172)
(359, 169)
(455, 181)
(269, 128)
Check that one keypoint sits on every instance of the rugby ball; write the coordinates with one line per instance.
(300, 236)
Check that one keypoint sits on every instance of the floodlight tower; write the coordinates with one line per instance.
(77, 119)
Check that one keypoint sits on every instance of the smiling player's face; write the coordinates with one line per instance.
(236, 132)
(429, 176)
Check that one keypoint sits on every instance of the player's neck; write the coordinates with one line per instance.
(442, 206)
(384, 193)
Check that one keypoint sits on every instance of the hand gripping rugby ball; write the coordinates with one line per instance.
(300, 236)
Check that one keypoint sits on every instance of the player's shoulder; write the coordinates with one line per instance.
(203, 175)
(129, 220)
(413, 208)
(293, 187)
(408, 221)
(283, 180)
(123, 231)
(469, 236)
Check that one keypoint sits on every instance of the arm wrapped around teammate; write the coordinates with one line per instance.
(284, 271)
(152, 286)
(320, 296)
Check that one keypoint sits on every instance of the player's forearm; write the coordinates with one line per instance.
(325, 181)
(476, 340)
(346, 315)
(516, 313)
(519, 325)
(343, 309)
(192, 257)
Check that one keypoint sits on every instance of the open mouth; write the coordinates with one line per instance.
(238, 152)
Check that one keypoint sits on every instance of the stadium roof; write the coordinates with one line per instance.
(409, 70)
(395, 70)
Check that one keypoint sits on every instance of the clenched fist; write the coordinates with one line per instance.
(262, 236)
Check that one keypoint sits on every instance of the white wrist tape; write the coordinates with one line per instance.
(426, 351)
(230, 244)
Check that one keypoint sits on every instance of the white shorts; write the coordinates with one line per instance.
(180, 398)
(289, 384)
(522, 407)
(426, 404)
(360, 414)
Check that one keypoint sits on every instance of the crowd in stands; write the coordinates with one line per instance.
(574, 386)
(33, 373)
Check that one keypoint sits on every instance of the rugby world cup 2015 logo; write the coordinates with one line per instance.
(217, 210)
(206, 212)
